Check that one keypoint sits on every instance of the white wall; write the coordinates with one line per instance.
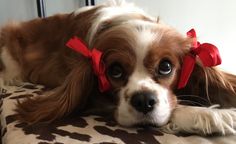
(27, 9)
(214, 21)
(61, 6)
(17, 10)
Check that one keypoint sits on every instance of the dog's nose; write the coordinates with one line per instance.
(143, 101)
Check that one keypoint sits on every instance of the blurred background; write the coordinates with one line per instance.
(214, 20)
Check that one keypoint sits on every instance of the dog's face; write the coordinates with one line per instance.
(142, 59)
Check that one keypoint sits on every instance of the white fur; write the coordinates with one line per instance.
(83, 9)
(11, 74)
(202, 120)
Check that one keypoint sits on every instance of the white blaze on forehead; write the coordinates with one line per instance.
(144, 39)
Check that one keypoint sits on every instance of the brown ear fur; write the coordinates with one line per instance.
(212, 85)
(72, 94)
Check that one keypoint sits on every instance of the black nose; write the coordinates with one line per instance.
(143, 101)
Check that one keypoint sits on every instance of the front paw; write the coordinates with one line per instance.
(202, 120)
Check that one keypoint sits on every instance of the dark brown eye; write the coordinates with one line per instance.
(164, 68)
(116, 71)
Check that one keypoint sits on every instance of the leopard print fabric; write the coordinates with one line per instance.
(82, 129)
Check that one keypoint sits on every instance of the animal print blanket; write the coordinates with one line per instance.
(82, 129)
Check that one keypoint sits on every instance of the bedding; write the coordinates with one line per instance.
(82, 129)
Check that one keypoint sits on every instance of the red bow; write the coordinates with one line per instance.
(95, 55)
(206, 52)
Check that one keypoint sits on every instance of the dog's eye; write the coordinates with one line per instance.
(164, 68)
(116, 71)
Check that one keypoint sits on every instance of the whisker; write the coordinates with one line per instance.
(195, 96)
(191, 102)
(192, 96)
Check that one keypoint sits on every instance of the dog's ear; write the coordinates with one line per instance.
(210, 85)
(72, 94)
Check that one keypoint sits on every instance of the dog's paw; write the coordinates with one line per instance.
(202, 120)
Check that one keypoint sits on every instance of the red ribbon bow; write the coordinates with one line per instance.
(95, 55)
(206, 52)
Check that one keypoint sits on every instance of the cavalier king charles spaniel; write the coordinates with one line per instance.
(114, 58)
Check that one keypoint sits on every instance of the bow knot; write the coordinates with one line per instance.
(97, 65)
(206, 52)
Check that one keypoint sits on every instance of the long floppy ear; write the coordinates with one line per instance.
(209, 86)
(72, 94)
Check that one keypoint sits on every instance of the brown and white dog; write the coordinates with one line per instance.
(142, 58)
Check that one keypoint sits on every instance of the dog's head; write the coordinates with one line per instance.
(142, 58)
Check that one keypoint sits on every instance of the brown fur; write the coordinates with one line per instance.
(211, 86)
(116, 44)
(39, 48)
(72, 94)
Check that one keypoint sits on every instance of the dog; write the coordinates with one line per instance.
(116, 58)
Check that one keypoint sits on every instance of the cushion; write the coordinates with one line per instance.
(90, 129)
